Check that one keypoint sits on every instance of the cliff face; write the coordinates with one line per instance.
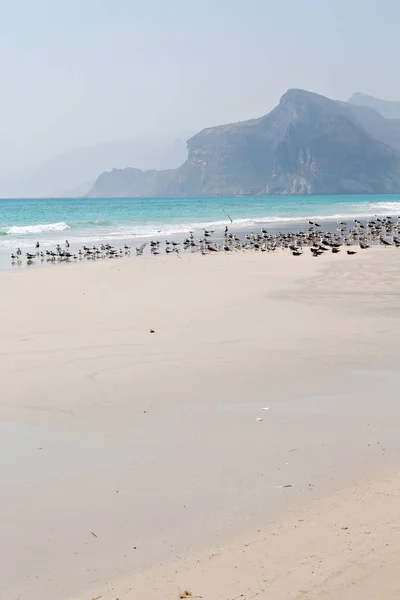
(326, 150)
(307, 145)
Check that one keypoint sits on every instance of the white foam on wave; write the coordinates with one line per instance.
(41, 228)
(380, 206)
(183, 228)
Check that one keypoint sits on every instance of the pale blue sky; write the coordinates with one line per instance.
(79, 72)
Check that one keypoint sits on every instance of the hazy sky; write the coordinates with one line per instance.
(79, 72)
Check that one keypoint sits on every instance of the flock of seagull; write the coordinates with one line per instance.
(61, 254)
(381, 230)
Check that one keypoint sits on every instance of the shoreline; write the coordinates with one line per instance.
(151, 441)
(282, 235)
(135, 221)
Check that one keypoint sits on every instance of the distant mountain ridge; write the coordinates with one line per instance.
(73, 173)
(390, 109)
(308, 144)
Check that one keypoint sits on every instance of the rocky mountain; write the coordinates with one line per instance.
(308, 144)
(387, 108)
(384, 130)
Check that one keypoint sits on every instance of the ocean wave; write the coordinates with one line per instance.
(98, 222)
(184, 228)
(385, 206)
(41, 228)
(106, 230)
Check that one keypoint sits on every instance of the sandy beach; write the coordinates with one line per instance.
(248, 448)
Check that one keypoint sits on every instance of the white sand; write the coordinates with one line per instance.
(150, 441)
(346, 546)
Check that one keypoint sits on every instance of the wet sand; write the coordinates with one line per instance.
(343, 546)
(124, 449)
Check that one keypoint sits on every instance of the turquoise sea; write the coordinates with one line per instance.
(85, 221)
